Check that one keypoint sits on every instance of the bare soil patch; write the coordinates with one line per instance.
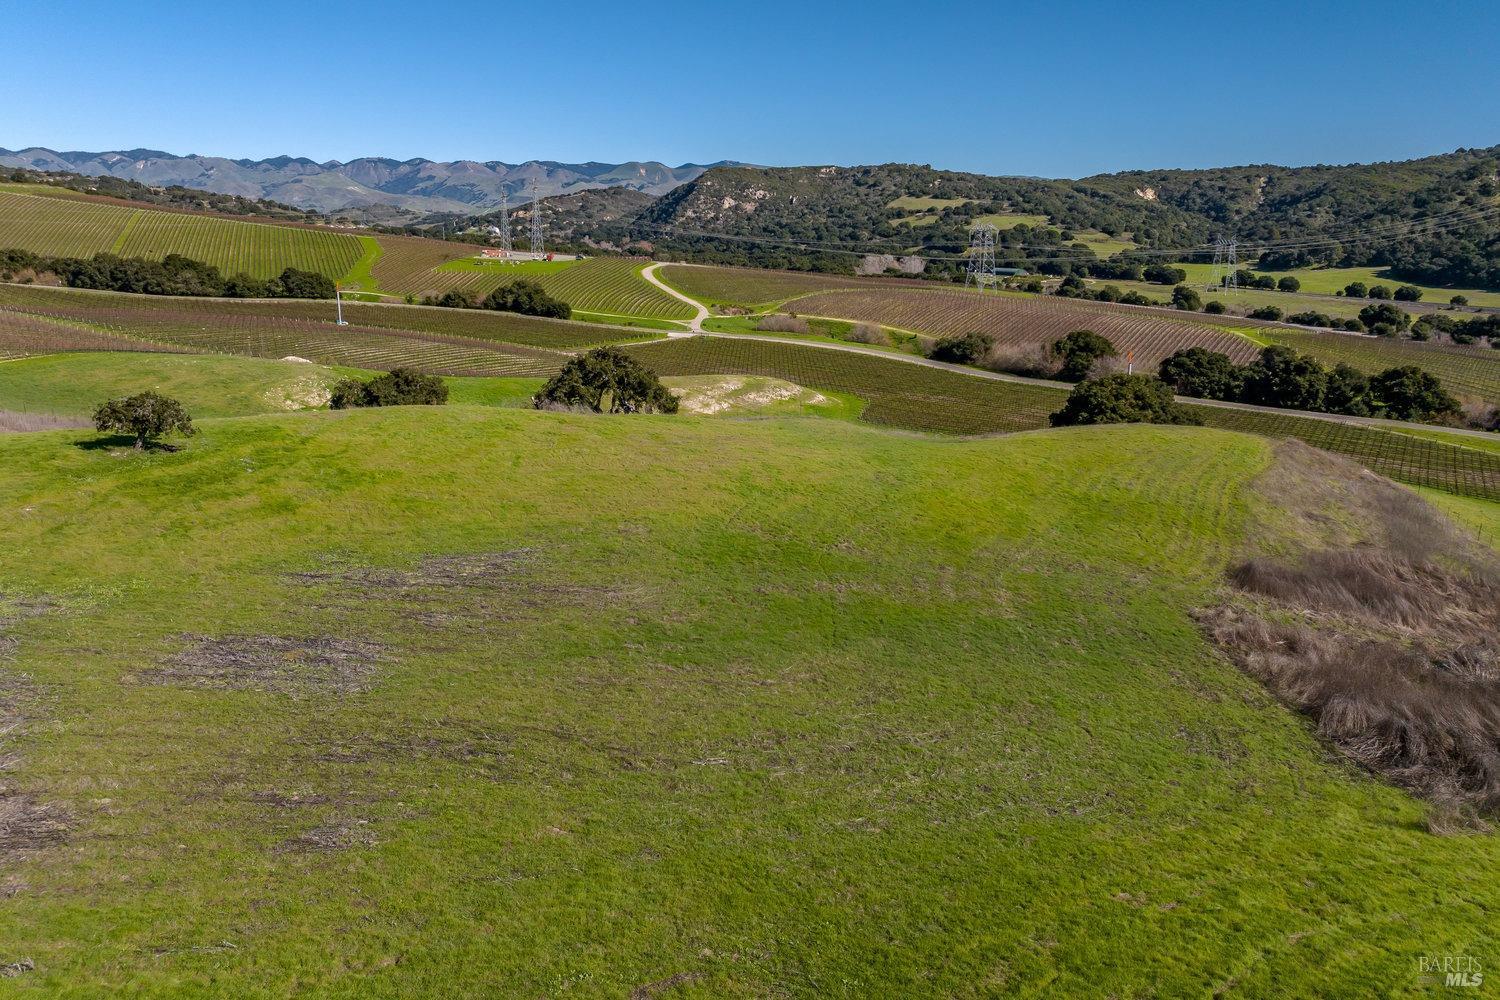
(457, 590)
(284, 664)
(646, 991)
(26, 822)
(336, 836)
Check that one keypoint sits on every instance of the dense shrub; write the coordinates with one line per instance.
(172, 275)
(146, 417)
(1267, 312)
(453, 298)
(606, 380)
(529, 299)
(1122, 399)
(1163, 274)
(1214, 308)
(1289, 284)
(1077, 352)
(962, 348)
(399, 387)
(1384, 314)
(1197, 371)
(1185, 298)
(1409, 393)
(1284, 378)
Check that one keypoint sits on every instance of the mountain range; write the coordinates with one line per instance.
(418, 185)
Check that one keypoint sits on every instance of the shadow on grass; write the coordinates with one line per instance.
(112, 441)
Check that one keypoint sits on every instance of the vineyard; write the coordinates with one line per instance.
(1020, 322)
(747, 287)
(606, 286)
(1419, 461)
(1464, 371)
(57, 320)
(22, 335)
(142, 310)
(360, 347)
(899, 393)
(64, 227)
(408, 264)
(258, 250)
(902, 394)
(59, 227)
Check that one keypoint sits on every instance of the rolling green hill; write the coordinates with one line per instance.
(774, 707)
(57, 222)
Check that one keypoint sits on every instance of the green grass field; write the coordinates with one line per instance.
(772, 707)
(503, 270)
(1328, 280)
(46, 224)
(72, 385)
(1010, 220)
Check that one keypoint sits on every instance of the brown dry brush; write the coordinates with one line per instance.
(778, 323)
(1391, 647)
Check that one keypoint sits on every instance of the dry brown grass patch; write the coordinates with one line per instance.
(282, 664)
(1388, 638)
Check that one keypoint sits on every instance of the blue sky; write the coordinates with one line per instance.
(1055, 89)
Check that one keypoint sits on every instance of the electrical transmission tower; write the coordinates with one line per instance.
(1226, 264)
(981, 270)
(536, 220)
(505, 246)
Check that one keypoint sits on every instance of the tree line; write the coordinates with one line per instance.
(172, 275)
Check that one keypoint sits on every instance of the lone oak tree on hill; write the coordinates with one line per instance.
(147, 416)
(606, 380)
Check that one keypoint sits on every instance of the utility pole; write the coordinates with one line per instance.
(536, 220)
(338, 304)
(981, 267)
(505, 246)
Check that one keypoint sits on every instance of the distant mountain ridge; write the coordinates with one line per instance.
(416, 185)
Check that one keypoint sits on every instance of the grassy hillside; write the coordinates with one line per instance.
(207, 385)
(45, 223)
(775, 707)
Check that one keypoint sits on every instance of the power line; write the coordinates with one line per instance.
(536, 220)
(505, 243)
(981, 270)
(1381, 233)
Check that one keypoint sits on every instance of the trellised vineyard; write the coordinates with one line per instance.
(1472, 371)
(1023, 321)
(473, 324)
(72, 227)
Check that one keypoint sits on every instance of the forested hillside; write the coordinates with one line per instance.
(1432, 220)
